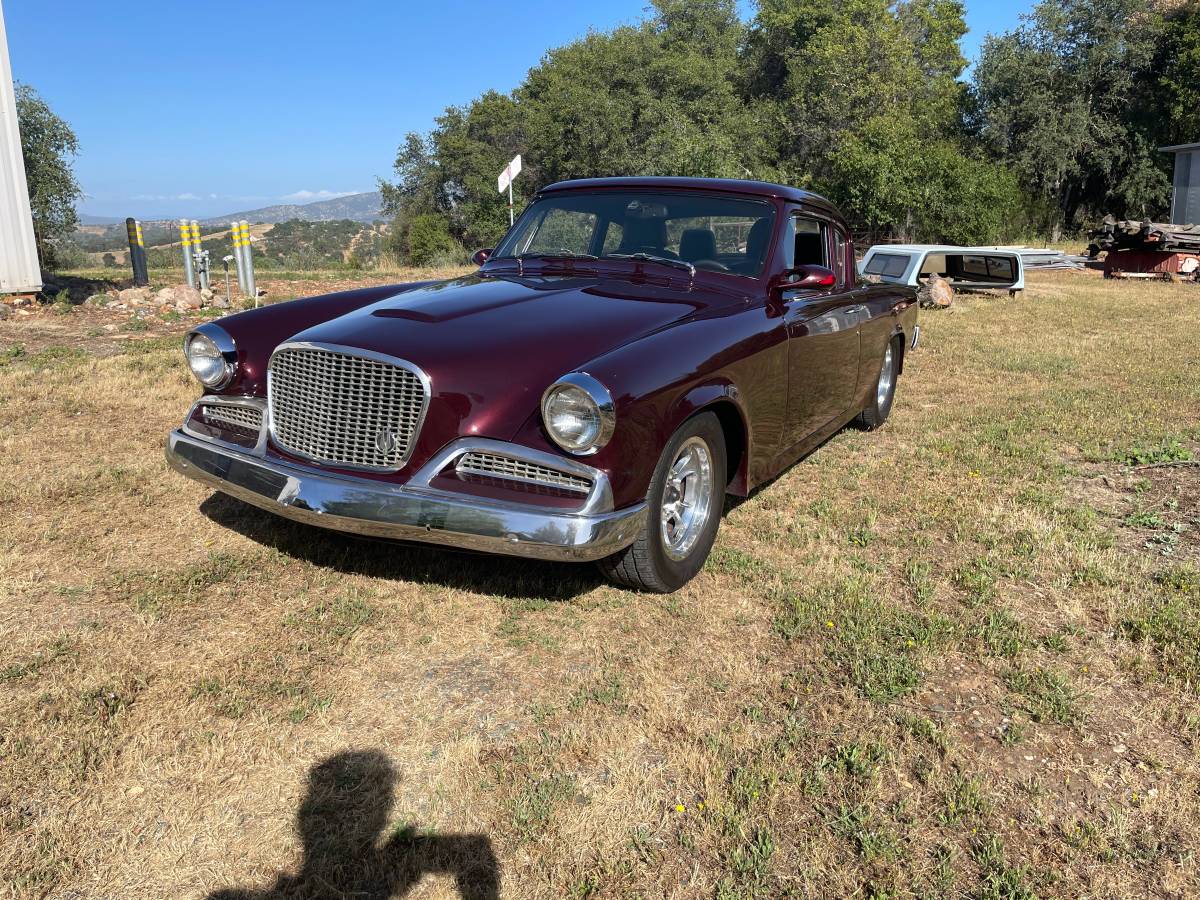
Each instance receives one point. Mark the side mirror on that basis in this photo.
(804, 278)
(479, 257)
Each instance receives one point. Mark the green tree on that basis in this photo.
(1059, 98)
(867, 104)
(47, 145)
(657, 98)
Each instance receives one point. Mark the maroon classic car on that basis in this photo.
(633, 350)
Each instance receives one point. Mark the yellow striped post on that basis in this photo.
(248, 254)
(137, 252)
(235, 237)
(201, 261)
(185, 241)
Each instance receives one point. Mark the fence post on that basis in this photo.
(137, 252)
(185, 241)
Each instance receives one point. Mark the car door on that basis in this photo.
(822, 328)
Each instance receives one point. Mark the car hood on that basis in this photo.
(492, 345)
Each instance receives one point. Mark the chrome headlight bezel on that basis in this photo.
(601, 401)
(223, 343)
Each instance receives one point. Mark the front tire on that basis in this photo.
(880, 405)
(687, 493)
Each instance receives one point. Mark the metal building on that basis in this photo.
(1185, 200)
(19, 269)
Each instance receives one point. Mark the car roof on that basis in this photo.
(725, 185)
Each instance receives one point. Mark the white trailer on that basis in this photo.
(19, 270)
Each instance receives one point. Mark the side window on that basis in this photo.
(807, 246)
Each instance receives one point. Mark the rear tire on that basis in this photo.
(884, 393)
(678, 534)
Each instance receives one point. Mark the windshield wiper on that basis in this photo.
(650, 257)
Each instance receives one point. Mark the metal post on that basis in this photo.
(249, 251)
(510, 211)
(235, 239)
(185, 240)
(137, 252)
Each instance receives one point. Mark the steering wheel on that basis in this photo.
(710, 265)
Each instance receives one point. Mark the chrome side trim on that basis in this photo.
(426, 384)
(916, 336)
(404, 512)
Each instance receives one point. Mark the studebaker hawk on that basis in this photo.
(633, 350)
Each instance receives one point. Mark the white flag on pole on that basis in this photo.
(511, 171)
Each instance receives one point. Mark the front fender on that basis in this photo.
(734, 361)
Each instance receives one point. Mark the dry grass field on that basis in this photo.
(959, 657)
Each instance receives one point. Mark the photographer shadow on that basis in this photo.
(341, 821)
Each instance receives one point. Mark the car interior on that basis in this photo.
(714, 233)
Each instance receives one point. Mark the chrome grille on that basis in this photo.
(244, 418)
(493, 465)
(338, 408)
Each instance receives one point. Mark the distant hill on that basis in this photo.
(365, 207)
(85, 219)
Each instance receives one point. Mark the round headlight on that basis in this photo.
(212, 364)
(578, 413)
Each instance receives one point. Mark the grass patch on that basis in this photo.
(1047, 696)
(1168, 624)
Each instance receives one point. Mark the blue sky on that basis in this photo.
(200, 109)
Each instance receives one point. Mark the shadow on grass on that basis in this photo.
(504, 576)
(341, 821)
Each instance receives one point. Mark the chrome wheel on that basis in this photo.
(887, 377)
(687, 498)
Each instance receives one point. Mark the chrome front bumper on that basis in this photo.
(413, 511)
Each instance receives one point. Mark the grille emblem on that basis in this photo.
(385, 441)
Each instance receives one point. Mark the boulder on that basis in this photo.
(97, 300)
(165, 296)
(220, 301)
(936, 292)
(187, 297)
(134, 295)
(206, 297)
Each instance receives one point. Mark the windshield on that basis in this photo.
(720, 234)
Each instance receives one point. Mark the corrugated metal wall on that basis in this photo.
(18, 253)
(1185, 208)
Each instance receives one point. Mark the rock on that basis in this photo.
(134, 295)
(936, 292)
(165, 296)
(24, 300)
(97, 300)
(5, 311)
(220, 301)
(187, 297)
(206, 297)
